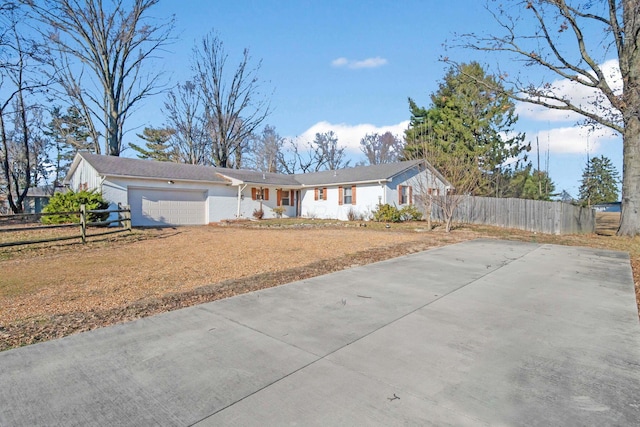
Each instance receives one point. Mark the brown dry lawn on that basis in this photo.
(53, 290)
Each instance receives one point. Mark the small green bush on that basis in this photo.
(410, 213)
(70, 201)
(389, 213)
(279, 211)
(386, 213)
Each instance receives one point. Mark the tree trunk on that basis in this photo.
(113, 148)
(630, 217)
(630, 69)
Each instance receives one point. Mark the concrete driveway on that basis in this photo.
(478, 333)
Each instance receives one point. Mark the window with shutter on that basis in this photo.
(404, 194)
(284, 198)
(348, 194)
(259, 194)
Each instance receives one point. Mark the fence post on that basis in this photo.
(121, 218)
(127, 216)
(83, 222)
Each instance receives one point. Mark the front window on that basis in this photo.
(285, 198)
(347, 195)
(260, 193)
(321, 195)
(404, 195)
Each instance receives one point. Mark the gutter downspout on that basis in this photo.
(384, 193)
(240, 190)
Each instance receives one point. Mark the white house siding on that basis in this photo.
(248, 205)
(321, 209)
(85, 177)
(419, 182)
(222, 203)
(367, 198)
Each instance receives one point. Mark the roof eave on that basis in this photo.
(74, 165)
(111, 175)
(368, 181)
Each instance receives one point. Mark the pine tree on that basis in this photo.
(470, 119)
(538, 186)
(600, 181)
(157, 145)
(67, 134)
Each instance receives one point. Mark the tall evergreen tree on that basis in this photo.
(538, 186)
(599, 182)
(574, 41)
(67, 133)
(471, 120)
(157, 146)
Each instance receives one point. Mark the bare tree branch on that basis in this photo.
(18, 78)
(532, 47)
(569, 56)
(234, 108)
(112, 43)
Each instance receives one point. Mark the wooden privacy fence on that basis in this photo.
(523, 214)
(27, 222)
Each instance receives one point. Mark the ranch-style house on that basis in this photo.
(165, 194)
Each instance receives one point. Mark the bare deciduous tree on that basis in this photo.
(323, 153)
(559, 42)
(327, 154)
(98, 55)
(266, 150)
(183, 109)
(20, 150)
(233, 104)
(378, 149)
(292, 160)
(460, 174)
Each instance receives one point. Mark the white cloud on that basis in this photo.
(339, 62)
(357, 64)
(571, 140)
(349, 136)
(568, 137)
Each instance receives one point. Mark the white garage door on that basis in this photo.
(153, 207)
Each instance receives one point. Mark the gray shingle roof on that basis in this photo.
(261, 178)
(122, 166)
(356, 174)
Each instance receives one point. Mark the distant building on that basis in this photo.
(35, 201)
(607, 207)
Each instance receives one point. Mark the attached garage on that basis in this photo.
(159, 207)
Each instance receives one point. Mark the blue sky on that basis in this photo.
(349, 66)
